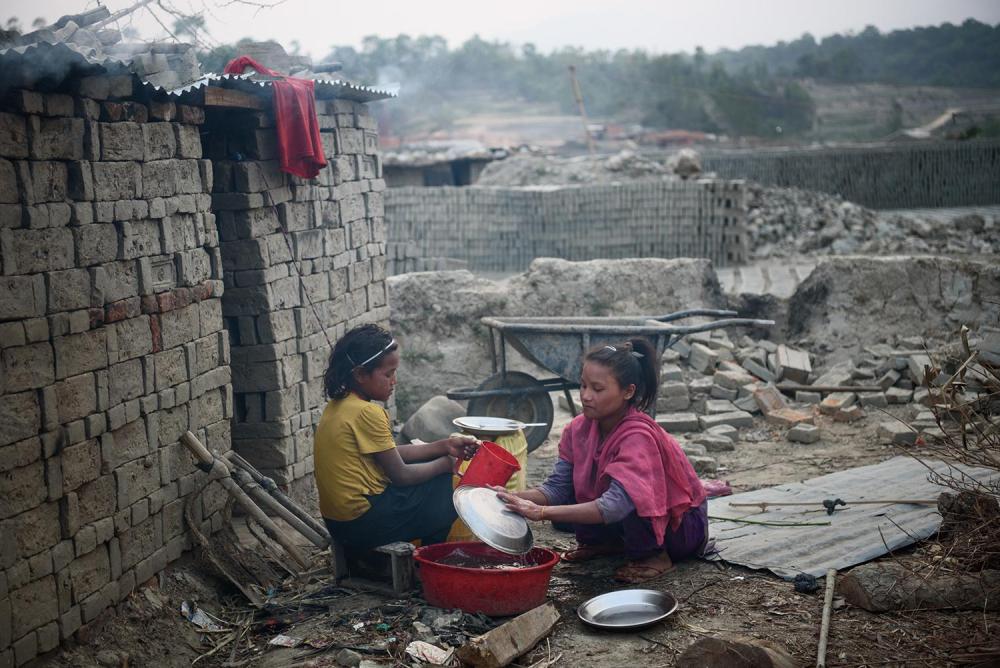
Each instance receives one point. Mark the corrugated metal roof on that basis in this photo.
(856, 534)
(325, 88)
(53, 58)
(48, 59)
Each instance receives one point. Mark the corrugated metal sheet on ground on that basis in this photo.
(856, 534)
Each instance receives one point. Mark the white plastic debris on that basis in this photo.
(432, 654)
(284, 641)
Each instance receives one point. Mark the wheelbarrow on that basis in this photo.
(558, 345)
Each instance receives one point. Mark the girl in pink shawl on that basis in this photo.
(623, 482)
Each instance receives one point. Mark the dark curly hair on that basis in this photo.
(632, 362)
(364, 346)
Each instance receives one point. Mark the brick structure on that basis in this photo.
(879, 176)
(135, 227)
(303, 262)
(504, 229)
(112, 345)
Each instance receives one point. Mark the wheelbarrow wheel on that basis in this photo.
(528, 408)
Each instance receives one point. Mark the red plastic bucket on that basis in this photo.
(497, 593)
(491, 465)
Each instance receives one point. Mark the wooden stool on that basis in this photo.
(400, 557)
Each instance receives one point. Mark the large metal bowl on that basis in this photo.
(627, 609)
(488, 518)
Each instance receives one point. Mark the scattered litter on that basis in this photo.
(432, 654)
(358, 626)
(284, 641)
(200, 618)
(805, 583)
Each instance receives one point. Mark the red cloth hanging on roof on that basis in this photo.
(299, 146)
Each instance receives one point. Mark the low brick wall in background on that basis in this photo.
(504, 229)
(893, 176)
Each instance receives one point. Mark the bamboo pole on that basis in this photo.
(272, 488)
(218, 467)
(824, 629)
(268, 502)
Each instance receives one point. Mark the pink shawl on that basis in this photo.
(643, 458)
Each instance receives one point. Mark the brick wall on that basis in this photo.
(112, 345)
(303, 262)
(925, 174)
(504, 229)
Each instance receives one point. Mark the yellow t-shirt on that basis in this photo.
(350, 431)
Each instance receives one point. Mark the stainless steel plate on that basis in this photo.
(627, 609)
(487, 517)
(487, 425)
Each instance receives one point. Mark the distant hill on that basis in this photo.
(947, 55)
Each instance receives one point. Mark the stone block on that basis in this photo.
(159, 141)
(140, 542)
(20, 297)
(714, 442)
(837, 401)
(78, 353)
(97, 499)
(81, 464)
(36, 605)
(188, 141)
(716, 406)
(677, 423)
(125, 381)
(898, 395)
(20, 415)
(32, 251)
(8, 190)
(839, 374)
(28, 367)
(916, 365)
(804, 397)
(115, 281)
(874, 399)
(121, 141)
(803, 433)
(76, 397)
(732, 380)
(719, 392)
(24, 488)
(769, 399)
(849, 414)
(68, 290)
(37, 529)
(137, 479)
(56, 138)
(95, 244)
(896, 432)
(13, 136)
(703, 465)
(118, 180)
(702, 358)
(888, 379)
(738, 419)
(788, 417)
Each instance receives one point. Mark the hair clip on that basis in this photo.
(636, 355)
(611, 348)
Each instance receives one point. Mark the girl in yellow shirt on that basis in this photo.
(371, 491)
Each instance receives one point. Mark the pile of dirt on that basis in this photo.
(435, 315)
(784, 222)
(539, 170)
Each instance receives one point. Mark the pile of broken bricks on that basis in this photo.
(711, 388)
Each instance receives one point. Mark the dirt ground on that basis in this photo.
(715, 598)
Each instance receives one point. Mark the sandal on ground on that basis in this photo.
(633, 573)
(588, 552)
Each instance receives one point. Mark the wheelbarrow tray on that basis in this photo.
(559, 344)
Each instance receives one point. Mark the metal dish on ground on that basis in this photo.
(488, 518)
(627, 609)
(487, 425)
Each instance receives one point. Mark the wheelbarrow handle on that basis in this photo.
(692, 312)
(718, 324)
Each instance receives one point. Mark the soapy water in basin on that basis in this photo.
(497, 561)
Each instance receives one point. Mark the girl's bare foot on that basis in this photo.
(588, 552)
(646, 569)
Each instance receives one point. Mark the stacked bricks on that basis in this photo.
(112, 345)
(303, 262)
(504, 229)
(887, 176)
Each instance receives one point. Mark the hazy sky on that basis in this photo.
(656, 25)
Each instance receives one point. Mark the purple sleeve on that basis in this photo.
(558, 487)
(615, 504)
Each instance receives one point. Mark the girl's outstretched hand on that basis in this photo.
(527, 509)
(462, 446)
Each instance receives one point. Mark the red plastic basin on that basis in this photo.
(495, 592)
